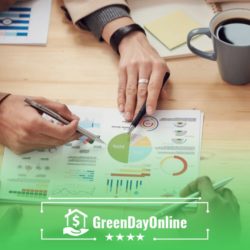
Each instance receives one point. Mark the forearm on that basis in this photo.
(138, 59)
(103, 24)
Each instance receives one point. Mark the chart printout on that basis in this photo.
(163, 152)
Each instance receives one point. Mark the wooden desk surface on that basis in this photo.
(74, 68)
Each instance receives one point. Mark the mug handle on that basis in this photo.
(200, 31)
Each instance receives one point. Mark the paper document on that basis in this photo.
(160, 157)
(26, 22)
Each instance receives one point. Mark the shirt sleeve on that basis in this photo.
(96, 21)
(79, 9)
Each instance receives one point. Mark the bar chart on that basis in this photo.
(124, 186)
(15, 21)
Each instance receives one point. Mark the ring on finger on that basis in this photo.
(143, 81)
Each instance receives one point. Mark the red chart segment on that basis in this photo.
(170, 163)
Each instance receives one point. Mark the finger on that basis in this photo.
(189, 189)
(228, 195)
(64, 132)
(202, 185)
(131, 92)
(144, 73)
(60, 108)
(205, 188)
(121, 98)
(75, 117)
(164, 90)
(164, 93)
(154, 89)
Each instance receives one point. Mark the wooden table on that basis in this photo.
(66, 70)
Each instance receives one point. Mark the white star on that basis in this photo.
(119, 237)
(130, 236)
(140, 236)
(109, 237)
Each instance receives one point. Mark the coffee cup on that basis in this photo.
(230, 34)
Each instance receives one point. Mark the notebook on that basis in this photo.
(193, 13)
(177, 23)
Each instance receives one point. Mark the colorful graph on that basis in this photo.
(128, 172)
(32, 193)
(128, 148)
(149, 123)
(170, 163)
(15, 21)
(129, 186)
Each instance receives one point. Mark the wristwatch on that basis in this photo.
(119, 34)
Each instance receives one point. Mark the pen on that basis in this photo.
(174, 207)
(143, 109)
(61, 119)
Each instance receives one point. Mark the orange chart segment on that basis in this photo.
(171, 163)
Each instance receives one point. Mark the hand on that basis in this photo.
(5, 4)
(139, 60)
(224, 210)
(23, 129)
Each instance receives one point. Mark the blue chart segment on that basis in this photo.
(15, 22)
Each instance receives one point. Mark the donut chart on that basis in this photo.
(149, 123)
(129, 148)
(171, 163)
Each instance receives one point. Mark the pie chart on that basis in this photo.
(128, 148)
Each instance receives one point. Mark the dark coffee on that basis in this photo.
(235, 31)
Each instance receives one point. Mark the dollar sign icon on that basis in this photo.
(76, 221)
